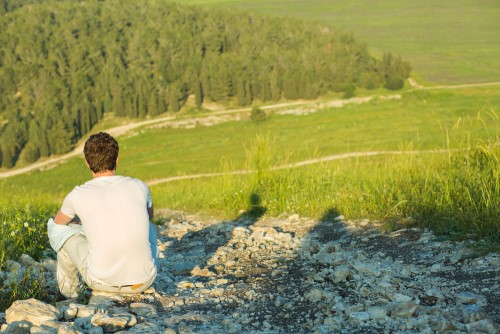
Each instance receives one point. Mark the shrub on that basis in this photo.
(349, 91)
(257, 114)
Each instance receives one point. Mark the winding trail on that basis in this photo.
(124, 129)
(418, 86)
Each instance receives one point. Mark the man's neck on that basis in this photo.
(105, 173)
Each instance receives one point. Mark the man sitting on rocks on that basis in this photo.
(103, 229)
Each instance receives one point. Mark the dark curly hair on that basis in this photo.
(101, 152)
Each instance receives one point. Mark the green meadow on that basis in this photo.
(445, 41)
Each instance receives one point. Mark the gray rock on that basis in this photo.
(366, 268)
(113, 322)
(481, 326)
(18, 327)
(473, 313)
(49, 265)
(359, 316)
(442, 325)
(468, 298)
(53, 326)
(403, 309)
(83, 324)
(279, 301)
(341, 273)
(377, 312)
(96, 330)
(27, 261)
(190, 317)
(144, 310)
(183, 268)
(32, 310)
(74, 310)
(147, 327)
(104, 299)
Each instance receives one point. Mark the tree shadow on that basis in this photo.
(197, 247)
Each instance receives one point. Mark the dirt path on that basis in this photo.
(418, 86)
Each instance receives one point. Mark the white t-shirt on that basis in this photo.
(114, 216)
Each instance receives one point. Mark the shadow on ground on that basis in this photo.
(196, 247)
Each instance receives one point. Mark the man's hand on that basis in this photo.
(62, 219)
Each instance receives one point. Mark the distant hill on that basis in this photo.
(64, 64)
(447, 42)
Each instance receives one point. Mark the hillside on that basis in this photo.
(64, 64)
(447, 42)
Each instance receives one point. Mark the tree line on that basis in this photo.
(64, 64)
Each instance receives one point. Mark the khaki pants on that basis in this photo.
(72, 259)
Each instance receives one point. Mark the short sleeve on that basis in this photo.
(68, 206)
(149, 199)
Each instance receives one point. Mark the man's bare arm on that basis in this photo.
(62, 219)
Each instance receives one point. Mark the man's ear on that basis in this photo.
(87, 163)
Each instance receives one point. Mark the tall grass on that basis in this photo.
(23, 220)
(452, 192)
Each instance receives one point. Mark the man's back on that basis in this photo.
(114, 216)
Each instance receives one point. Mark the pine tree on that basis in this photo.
(30, 153)
(173, 101)
(198, 94)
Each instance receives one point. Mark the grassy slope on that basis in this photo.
(446, 41)
(420, 120)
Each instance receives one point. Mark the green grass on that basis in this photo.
(23, 218)
(446, 41)
(455, 194)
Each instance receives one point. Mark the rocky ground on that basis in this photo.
(287, 274)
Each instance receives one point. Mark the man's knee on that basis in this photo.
(76, 250)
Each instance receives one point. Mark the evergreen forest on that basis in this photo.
(65, 64)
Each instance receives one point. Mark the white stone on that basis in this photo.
(85, 311)
(113, 322)
(468, 298)
(359, 316)
(377, 312)
(340, 273)
(404, 309)
(399, 297)
(18, 327)
(481, 326)
(31, 310)
(143, 309)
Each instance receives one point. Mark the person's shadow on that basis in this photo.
(198, 247)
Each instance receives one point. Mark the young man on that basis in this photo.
(114, 248)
